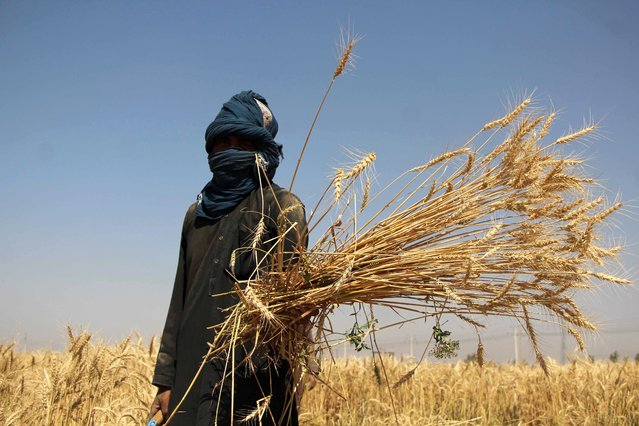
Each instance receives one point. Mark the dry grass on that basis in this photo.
(580, 393)
(88, 384)
(96, 384)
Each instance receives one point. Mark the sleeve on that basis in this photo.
(291, 224)
(167, 355)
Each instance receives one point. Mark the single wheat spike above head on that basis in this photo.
(347, 57)
(506, 226)
(346, 60)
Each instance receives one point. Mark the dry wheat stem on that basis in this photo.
(345, 59)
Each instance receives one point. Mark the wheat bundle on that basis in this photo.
(505, 226)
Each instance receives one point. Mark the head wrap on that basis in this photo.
(247, 116)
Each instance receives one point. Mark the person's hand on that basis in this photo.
(160, 404)
(302, 324)
(313, 370)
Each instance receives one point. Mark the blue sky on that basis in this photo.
(103, 107)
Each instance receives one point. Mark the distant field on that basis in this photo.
(97, 384)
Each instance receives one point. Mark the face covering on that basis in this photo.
(235, 175)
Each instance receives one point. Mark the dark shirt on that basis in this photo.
(204, 288)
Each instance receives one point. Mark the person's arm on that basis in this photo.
(291, 223)
(165, 365)
(292, 220)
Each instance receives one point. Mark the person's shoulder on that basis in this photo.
(190, 211)
(189, 217)
(284, 197)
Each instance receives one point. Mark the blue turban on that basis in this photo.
(242, 116)
(247, 116)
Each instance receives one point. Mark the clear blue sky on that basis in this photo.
(103, 107)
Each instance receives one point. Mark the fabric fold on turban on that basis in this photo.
(243, 117)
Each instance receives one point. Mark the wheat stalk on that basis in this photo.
(508, 118)
(575, 135)
(348, 42)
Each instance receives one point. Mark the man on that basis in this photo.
(219, 247)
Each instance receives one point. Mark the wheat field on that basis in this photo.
(91, 383)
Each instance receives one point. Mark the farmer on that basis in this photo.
(217, 250)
